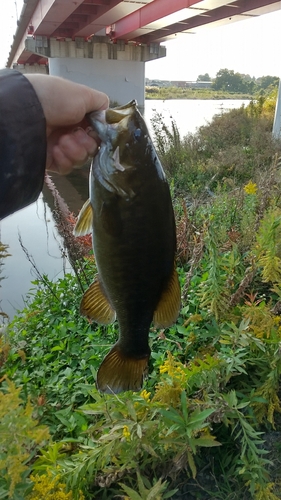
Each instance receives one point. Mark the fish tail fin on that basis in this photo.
(120, 372)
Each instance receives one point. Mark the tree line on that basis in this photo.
(228, 80)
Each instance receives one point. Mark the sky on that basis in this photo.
(248, 47)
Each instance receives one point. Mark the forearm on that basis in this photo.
(22, 143)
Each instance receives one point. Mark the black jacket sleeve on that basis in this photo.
(22, 143)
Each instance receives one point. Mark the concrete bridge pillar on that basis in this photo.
(32, 68)
(277, 118)
(118, 69)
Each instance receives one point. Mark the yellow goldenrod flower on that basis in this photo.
(172, 367)
(250, 188)
(145, 395)
(163, 368)
(48, 487)
(126, 432)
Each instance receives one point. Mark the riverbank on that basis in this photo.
(166, 93)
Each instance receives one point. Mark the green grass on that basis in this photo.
(166, 93)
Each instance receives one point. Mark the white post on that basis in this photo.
(276, 131)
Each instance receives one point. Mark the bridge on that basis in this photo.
(106, 43)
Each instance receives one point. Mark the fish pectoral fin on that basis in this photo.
(95, 305)
(119, 372)
(169, 305)
(84, 222)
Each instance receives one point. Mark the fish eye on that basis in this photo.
(137, 134)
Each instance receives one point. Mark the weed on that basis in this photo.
(20, 436)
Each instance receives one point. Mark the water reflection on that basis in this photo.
(36, 225)
(189, 114)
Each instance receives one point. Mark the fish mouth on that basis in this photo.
(116, 115)
(110, 122)
(113, 116)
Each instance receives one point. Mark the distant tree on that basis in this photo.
(204, 78)
(266, 81)
(233, 82)
(249, 78)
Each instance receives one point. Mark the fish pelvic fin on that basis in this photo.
(120, 372)
(168, 308)
(96, 306)
(84, 222)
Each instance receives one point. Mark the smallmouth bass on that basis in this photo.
(132, 221)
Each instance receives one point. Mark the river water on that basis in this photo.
(35, 225)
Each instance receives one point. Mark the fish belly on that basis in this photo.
(134, 247)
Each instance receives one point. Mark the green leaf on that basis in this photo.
(191, 464)
(139, 431)
(231, 399)
(181, 329)
(172, 429)
(3, 493)
(149, 450)
(133, 495)
(243, 405)
(58, 348)
(198, 417)
(207, 442)
(184, 405)
(172, 415)
(155, 491)
(170, 494)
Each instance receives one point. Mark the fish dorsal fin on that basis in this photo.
(119, 372)
(84, 222)
(169, 305)
(95, 305)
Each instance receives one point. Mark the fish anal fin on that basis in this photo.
(119, 372)
(84, 222)
(168, 308)
(96, 306)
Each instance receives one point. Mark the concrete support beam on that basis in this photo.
(277, 118)
(97, 47)
(32, 68)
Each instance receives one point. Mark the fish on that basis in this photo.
(131, 217)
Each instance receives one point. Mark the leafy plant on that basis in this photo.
(20, 436)
(147, 492)
(50, 488)
(3, 254)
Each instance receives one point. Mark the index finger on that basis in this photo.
(95, 100)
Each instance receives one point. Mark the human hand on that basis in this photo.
(70, 139)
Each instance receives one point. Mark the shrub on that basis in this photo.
(20, 436)
(236, 145)
(48, 487)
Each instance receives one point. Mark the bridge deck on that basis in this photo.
(141, 22)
